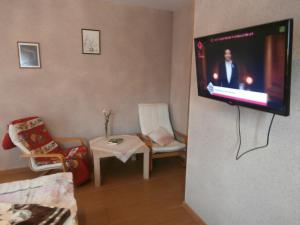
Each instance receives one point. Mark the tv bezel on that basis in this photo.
(285, 110)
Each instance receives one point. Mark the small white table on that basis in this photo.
(131, 143)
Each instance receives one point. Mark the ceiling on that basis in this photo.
(171, 5)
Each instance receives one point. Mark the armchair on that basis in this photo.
(44, 152)
(153, 116)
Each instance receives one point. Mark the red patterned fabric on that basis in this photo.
(35, 137)
(7, 143)
(77, 161)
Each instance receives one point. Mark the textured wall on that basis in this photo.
(71, 88)
(263, 187)
(183, 27)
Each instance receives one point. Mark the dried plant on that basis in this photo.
(107, 114)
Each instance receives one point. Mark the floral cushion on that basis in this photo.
(34, 136)
(7, 142)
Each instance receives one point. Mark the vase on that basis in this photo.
(106, 130)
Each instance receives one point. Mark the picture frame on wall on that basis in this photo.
(29, 55)
(91, 41)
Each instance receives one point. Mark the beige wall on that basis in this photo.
(183, 27)
(71, 89)
(263, 186)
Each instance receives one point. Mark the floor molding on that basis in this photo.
(15, 170)
(195, 216)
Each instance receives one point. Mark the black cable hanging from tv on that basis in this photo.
(238, 155)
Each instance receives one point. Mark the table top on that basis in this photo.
(129, 142)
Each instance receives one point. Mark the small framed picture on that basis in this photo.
(91, 41)
(29, 55)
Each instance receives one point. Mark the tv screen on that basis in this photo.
(249, 67)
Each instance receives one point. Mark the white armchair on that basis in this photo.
(153, 116)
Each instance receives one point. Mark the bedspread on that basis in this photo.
(55, 190)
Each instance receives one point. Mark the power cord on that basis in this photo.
(238, 155)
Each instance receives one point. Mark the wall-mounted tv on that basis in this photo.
(249, 67)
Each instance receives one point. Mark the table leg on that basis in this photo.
(146, 165)
(97, 172)
(133, 158)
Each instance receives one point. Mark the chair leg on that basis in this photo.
(184, 163)
(150, 161)
(183, 159)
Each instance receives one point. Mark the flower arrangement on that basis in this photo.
(107, 114)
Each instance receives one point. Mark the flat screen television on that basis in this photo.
(250, 67)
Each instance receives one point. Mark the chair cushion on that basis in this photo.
(31, 135)
(7, 142)
(161, 136)
(38, 166)
(172, 147)
(77, 162)
(153, 116)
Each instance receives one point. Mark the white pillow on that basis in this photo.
(161, 136)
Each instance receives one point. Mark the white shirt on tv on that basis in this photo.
(228, 66)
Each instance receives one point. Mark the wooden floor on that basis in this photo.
(125, 198)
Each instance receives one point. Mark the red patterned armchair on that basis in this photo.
(45, 153)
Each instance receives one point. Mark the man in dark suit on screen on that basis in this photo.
(228, 71)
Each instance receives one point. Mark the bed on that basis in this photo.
(54, 190)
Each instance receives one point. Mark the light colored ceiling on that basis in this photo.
(171, 5)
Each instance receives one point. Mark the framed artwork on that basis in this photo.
(91, 43)
(29, 55)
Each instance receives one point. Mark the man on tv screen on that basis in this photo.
(228, 70)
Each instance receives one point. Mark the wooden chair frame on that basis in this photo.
(149, 143)
(60, 157)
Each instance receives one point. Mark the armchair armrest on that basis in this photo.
(146, 139)
(181, 137)
(60, 157)
(82, 141)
